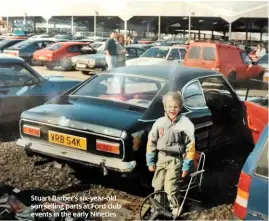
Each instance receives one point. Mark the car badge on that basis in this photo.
(63, 121)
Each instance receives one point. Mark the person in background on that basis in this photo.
(260, 50)
(134, 41)
(111, 51)
(121, 51)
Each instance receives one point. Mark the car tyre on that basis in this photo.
(50, 66)
(85, 72)
(66, 64)
(31, 61)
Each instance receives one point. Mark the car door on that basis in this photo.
(257, 208)
(73, 50)
(256, 108)
(193, 57)
(198, 112)
(16, 85)
(226, 111)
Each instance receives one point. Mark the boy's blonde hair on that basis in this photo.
(176, 95)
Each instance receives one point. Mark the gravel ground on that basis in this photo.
(20, 171)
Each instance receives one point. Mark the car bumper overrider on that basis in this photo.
(63, 153)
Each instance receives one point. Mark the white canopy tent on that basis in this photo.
(125, 9)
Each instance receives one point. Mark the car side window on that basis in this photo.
(15, 75)
(131, 52)
(139, 52)
(209, 53)
(193, 96)
(182, 53)
(174, 53)
(262, 167)
(195, 52)
(74, 48)
(213, 88)
(245, 58)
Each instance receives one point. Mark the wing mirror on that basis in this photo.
(170, 58)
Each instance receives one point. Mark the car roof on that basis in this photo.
(138, 45)
(218, 44)
(72, 43)
(10, 58)
(165, 72)
(173, 46)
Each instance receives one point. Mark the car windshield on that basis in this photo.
(4, 42)
(156, 53)
(100, 50)
(54, 47)
(136, 91)
(263, 59)
(22, 44)
(96, 45)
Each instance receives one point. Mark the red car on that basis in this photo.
(59, 54)
(229, 60)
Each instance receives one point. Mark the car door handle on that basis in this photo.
(4, 91)
(251, 127)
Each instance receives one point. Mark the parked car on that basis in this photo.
(92, 63)
(229, 60)
(22, 88)
(251, 202)
(62, 37)
(263, 61)
(26, 49)
(105, 121)
(6, 43)
(159, 55)
(42, 36)
(145, 42)
(60, 54)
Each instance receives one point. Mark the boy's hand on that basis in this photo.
(184, 174)
(152, 168)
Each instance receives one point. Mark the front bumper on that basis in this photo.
(76, 156)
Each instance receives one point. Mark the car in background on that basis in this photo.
(229, 60)
(39, 36)
(263, 61)
(105, 121)
(97, 44)
(142, 41)
(6, 43)
(160, 55)
(60, 54)
(22, 88)
(60, 37)
(92, 63)
(26, 49)
(251, 202)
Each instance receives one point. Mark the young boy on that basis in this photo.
(170, 138)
